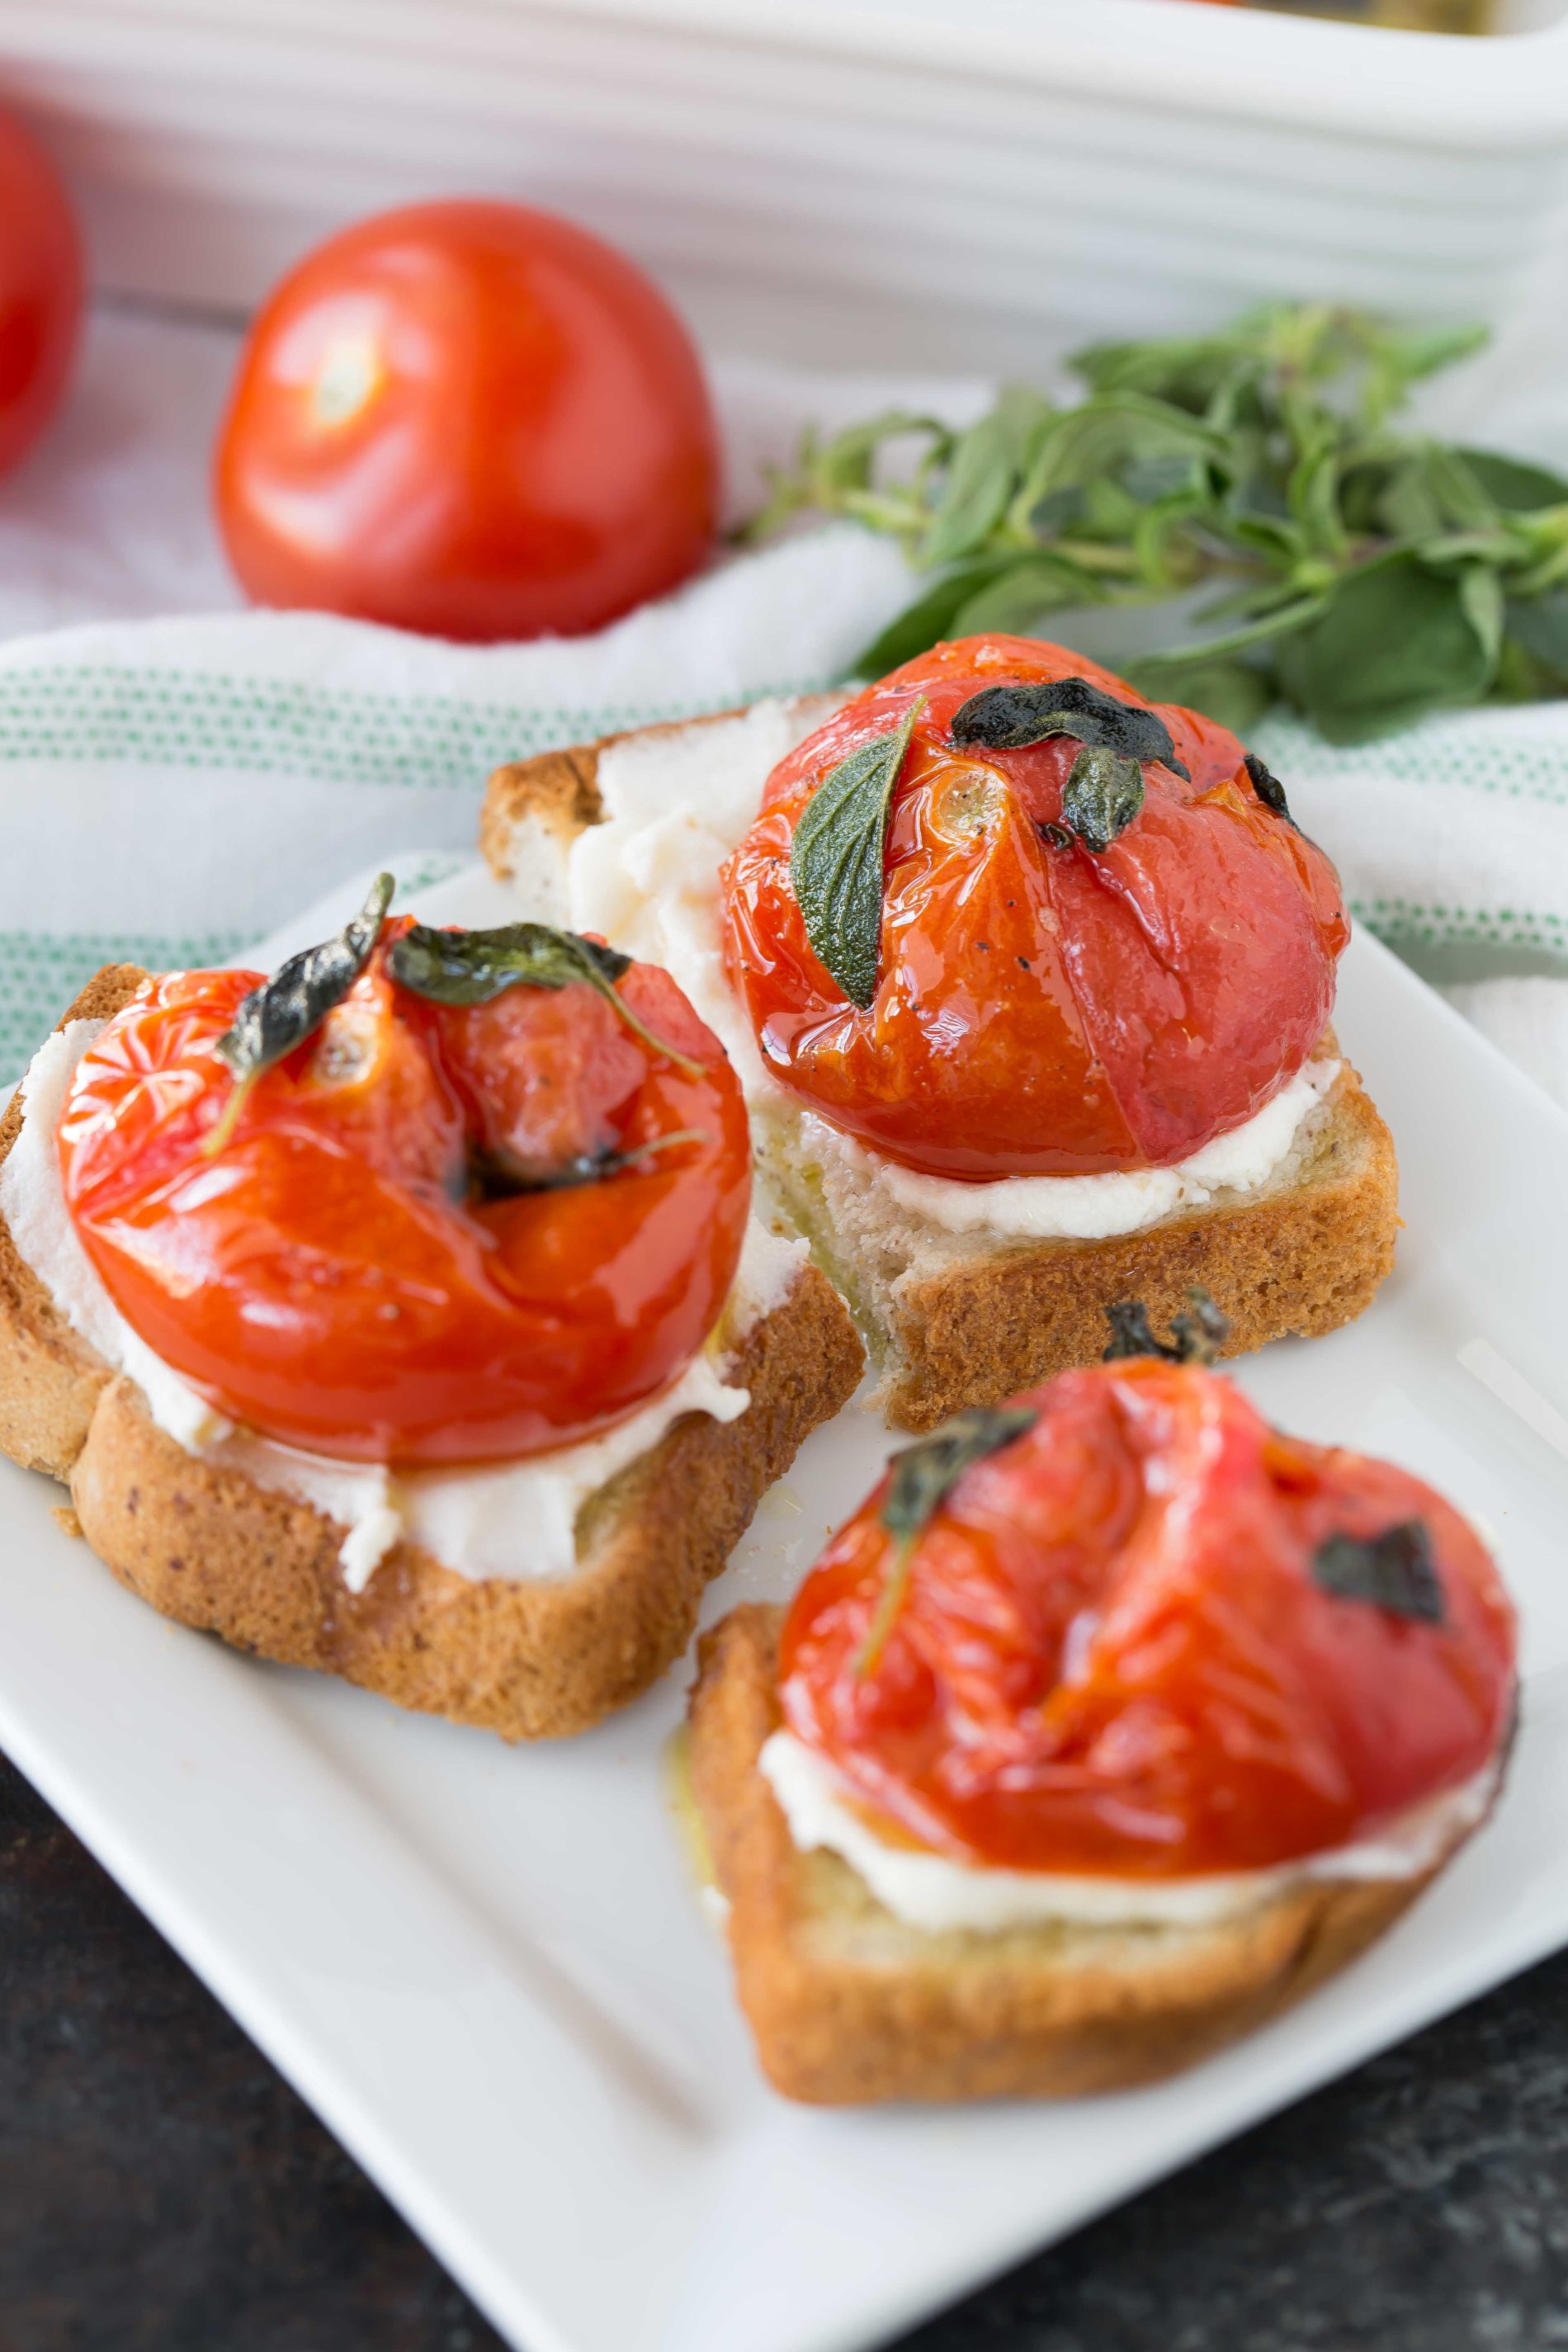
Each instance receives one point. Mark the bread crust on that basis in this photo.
(849, 2006)
(50, 1380)
(1296, 1261)
(527, 1660)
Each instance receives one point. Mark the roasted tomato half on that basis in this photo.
(1041, 1007)
(1135, 1640)
(435, 1234)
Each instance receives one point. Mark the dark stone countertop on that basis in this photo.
(162, 2191)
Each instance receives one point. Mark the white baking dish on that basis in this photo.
(933, 182)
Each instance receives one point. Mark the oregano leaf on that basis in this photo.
(836, 858)
(1198, 1334)
(474, 967)
(929, 618)
(467, 968)
(1268, 787)
(1009, 718)
(923, 1475)
(1103, 793)
(284, 1010)
(1393, 1570)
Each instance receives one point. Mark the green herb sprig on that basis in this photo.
(1364, 571)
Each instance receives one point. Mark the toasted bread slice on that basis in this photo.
(529, 1659)
(849, 2005)
(964, 1318)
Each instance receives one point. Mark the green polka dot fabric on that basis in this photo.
(171, 790)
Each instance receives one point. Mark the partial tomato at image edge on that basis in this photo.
(41, 288)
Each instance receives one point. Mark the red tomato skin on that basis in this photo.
(1041, 1011)
(1113, 1657)
(471, 419)
(329, 1278)
(41, 282)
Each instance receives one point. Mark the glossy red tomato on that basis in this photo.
(40, 291)
(471, 419)
(1041, 1008)
(393, 1257)
(1113, 1655)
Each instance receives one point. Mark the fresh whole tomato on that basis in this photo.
(1042, 1007)
(1113, 1654)
(40, 291)
(471, 419)
(432, 1233)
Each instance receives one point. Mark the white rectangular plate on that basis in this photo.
(487, 1969)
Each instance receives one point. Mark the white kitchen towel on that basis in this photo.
(171, 789)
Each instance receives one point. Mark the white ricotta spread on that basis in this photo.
(933, 1892)
(1091, 1208)
(676, 804)
(513, 1519)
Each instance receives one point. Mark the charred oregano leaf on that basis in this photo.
(284, 1010)
(1103, 793)
(836, 858)
(467, 968)
(1198, 1334)
(1268, 787)
(1009, 718)
(1393, 1570)
(923, 1477)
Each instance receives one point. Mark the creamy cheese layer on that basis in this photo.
(677, 803)
(511, 1519)
(933, 1892)
(1092, 1208)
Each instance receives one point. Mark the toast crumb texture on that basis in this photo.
(956, 1319)
(849, 2005)
(527, 1659)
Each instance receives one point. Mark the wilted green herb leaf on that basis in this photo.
(474, 967)
(1198, 1335)
(1268, 787)
(1008, 717)
(467, 968)
(923, 1475)
(836, 858)
(279, 1015)
(1393, 1570)
(1103, 793)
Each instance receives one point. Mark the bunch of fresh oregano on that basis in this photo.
(1366, 572)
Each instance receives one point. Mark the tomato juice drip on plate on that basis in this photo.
(1119, 1651)
(1042, 1007)
(431, 1233)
